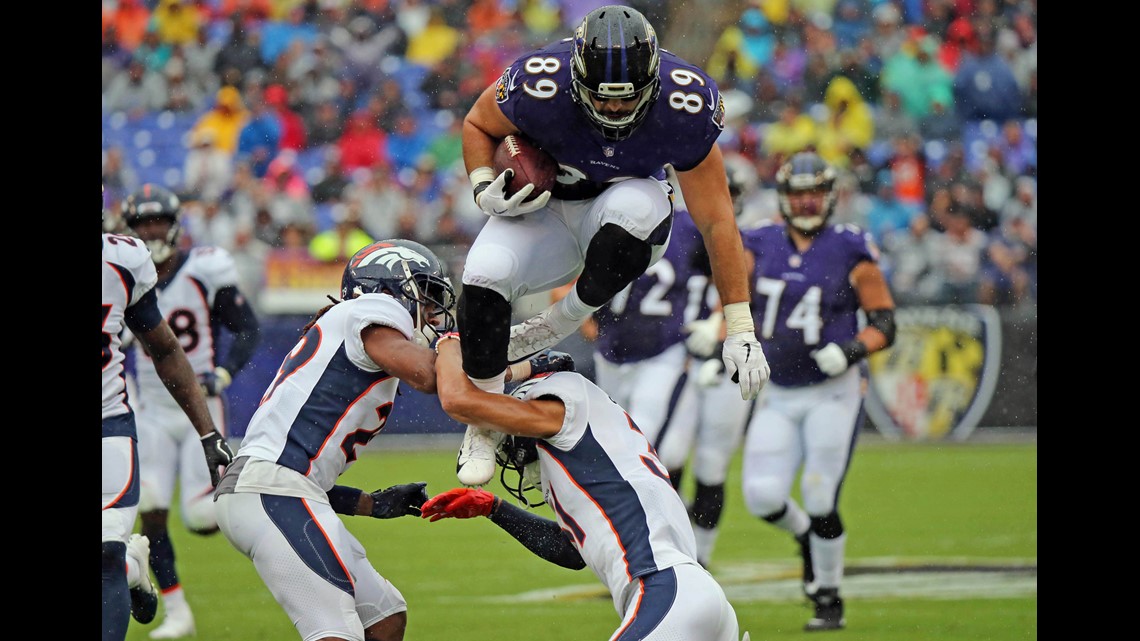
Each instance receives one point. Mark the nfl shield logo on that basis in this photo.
(938, 378)
(607, 151)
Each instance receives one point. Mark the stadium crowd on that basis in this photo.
(312, 127)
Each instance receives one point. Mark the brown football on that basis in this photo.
(530, 163)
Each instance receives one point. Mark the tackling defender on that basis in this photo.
(812, 280)
(198, 294)
(129, 301)
(617, 512)
(613, 109)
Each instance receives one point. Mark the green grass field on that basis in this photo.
(942, 545)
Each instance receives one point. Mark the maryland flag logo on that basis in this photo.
(503, 86)
(938, 378)
(718, 113)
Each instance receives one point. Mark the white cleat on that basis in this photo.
(532, 336)
(476, 463)
(178, 623)
(144, 596)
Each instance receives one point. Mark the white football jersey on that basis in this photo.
(610, 493)
(327, 399)
(128, 274)
(186, 301)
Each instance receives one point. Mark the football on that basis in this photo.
(530, 163)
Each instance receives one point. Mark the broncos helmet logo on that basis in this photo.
(389, 256)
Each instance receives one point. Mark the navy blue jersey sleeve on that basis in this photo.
(144, 315)
(233, 310)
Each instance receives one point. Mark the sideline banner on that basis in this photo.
(938, 378)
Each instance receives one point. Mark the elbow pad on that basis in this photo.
(884, 321)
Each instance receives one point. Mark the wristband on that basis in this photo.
(454, 336)
(854, 350)
(738, 318)
(479, 189)
(481, 175)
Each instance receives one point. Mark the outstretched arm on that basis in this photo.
(544, 537)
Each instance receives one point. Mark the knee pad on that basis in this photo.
(819, 497)
(484, 319)
(614, 258)
(198, 515)
(827, 527)
(708, 505)
(764, 498)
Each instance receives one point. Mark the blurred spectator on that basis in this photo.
(181, 95)
(1005, 278)
(249, 254)
(891, 121)
(959, 40)
(960, 258)
(246, 13)
(915, 75)
(277, 36)
(200, 55)
(742, 48)
(985, 88)
(205, 222)
(969, 197)
(240, 54)
(851, 204)
(941, 123)
(446, 148)
(913, 273)
(283, 180)
(850, 123)
(332, 183)
(152, 51)
(887, 214)
(362, 145)
(119, 179)
(207, 170)
(952, 169)
(260, 136)
(851, 22)
(314, 76)
(344, 239)
(907, 165)
(225, 120)
(485, 15)
(794, 132)
(434, 43)
(380, 198)
(817, 76)
(1018, 154)
(130, 19)
(1024, 203)
(789, 59)
(324, 126)
(408, 142)
(176, 22)
(137, 91)
(362, 45)
(856, 65)
(886, 36)
(293, 134)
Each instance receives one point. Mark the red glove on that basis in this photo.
(459, 503)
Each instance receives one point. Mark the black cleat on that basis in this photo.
(828, 611)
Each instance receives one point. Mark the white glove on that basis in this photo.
(831, 359)
(494, 202)
(704, 335)
(708, 374)
(745, 363)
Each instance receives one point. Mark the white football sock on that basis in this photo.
(827, 560)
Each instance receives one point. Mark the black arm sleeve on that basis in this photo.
(542, 536)
(344, 499)
(235, 312)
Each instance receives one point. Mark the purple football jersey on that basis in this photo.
(645, 318)
(680, 128)
(801, 302)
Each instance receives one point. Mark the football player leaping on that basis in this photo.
(812, 280)
(613, 109)
(198, 295)
(129, 302)
(616, 511)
